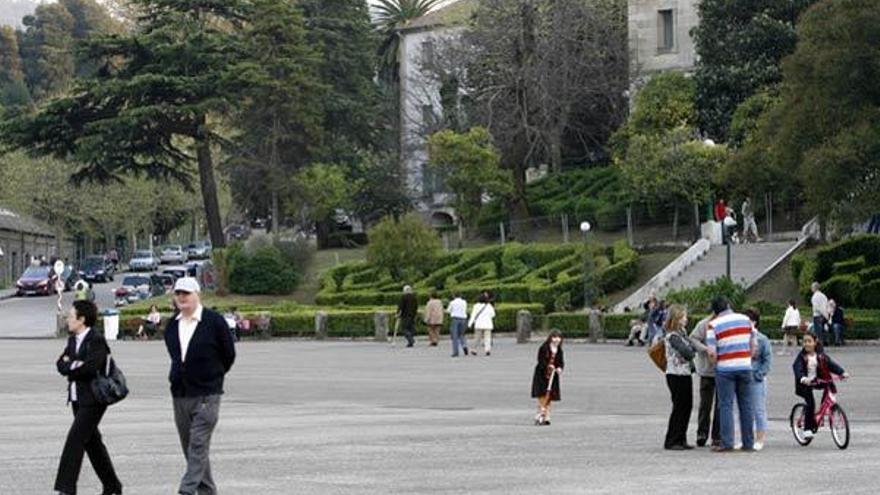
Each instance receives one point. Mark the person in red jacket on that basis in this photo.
(720, 210)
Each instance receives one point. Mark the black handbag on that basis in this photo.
(110, 387)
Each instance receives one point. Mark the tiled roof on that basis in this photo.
(9, 220)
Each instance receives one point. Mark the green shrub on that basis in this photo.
(867, 245)
(806, 277)
(845, 289)
(699, 299)
(869, 274)
(403, 247)
(266, 271)
(854, 265)
(870, 295)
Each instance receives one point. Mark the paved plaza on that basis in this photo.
(344, 417)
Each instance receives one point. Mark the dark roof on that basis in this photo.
(452, 14)
(9, 220)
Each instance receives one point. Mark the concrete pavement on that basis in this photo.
(304, 417)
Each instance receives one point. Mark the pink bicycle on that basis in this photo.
(829, 408)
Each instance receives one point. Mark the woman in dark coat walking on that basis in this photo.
(549, 367)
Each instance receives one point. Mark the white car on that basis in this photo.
(143, 260)
(173, 254)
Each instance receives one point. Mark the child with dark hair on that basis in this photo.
(545, 381)
(810, 365)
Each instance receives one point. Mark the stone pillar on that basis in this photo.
(523, 326)
(380, 322)
(597, 331)
(321, 325)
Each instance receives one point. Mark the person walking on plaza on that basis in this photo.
(791, 326)
(762, 359)
(680, 354)
(819, 302)
(730, 343)
(750, 227)
(84, 357)
(407, 310)
(837, 322)
(545, 380)
(483, 322)
(458, 324)
(434, 318)
(202, 352)
(708, 412)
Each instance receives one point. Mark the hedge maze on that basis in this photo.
(549, 275)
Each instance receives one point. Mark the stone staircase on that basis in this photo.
(749, 263)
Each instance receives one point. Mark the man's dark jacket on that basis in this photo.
(209, 356)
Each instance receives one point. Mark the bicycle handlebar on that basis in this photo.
(834, 378)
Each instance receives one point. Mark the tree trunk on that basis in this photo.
(675, 222)
(556, 149)
(274, 165)
(209, 187)
(322, 231)
(697, 232)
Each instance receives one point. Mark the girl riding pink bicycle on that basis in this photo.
(814, 369)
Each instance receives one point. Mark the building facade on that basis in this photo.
(660, 36)
(24, 239)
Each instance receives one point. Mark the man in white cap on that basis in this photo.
(202, 352)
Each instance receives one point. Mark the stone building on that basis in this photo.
(23, 239)
(659, 36)
(421, 109)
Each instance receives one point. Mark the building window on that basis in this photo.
(428, 53)
(665, 30)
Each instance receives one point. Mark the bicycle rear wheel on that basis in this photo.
(797, 420)
(839, 427)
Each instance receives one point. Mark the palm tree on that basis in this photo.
(390, 15)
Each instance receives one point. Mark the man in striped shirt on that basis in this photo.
(729, 339)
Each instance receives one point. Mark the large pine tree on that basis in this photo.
(150, 108)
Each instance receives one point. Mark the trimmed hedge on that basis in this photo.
(867, 246)
(548, 274)
(850, 266)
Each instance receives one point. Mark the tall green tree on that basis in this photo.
(390, 16)
(47, 50)
(342, 31)
(824, 133)
(281, 113)
(471, 165)
(13, 90)
(153, 107)
(740, 44)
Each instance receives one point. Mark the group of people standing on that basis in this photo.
(733, 359)
(481, 320)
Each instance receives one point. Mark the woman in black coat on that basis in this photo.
(549, 367)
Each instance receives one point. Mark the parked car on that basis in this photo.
(133, 288)
(143, 260)
(199, 250)
(176, 271)
(35, 281)
(173, 254)
(237, 232)
(163, 280)
(97, 269)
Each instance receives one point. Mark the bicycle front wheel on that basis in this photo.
(839, 427)
(797, 419)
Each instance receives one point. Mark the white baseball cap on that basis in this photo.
(187, 284)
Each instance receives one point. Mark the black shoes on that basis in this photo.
(701, 442)
(679, 447)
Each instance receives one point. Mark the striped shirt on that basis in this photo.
(729, 337)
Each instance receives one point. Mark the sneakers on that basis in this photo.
(808, 434)
(759, 446)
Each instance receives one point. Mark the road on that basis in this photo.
(34, 316)
(354, 417)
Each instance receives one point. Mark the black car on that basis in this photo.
(97, 269)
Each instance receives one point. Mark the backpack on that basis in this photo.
(657, 353)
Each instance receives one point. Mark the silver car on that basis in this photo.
(144, 260)
(173, 254)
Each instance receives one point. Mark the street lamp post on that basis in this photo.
(585, 228)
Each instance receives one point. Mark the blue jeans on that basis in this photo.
(735, 386)
(819, 329)
(759, 401)
(457, 328)
(838, 333)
